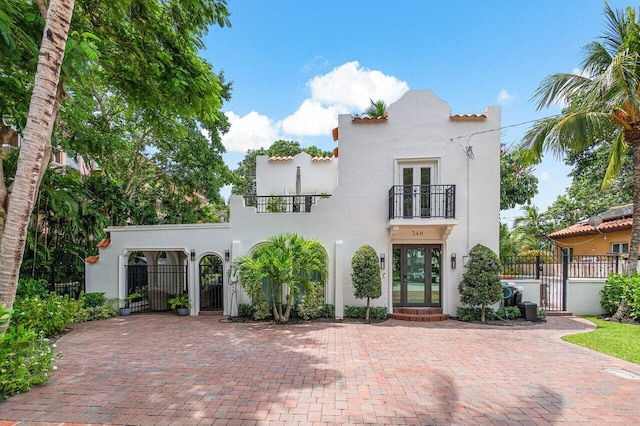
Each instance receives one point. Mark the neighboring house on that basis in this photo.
(58, 158)
(608, 233)
(420, 185)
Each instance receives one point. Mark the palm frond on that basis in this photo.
(616, 155)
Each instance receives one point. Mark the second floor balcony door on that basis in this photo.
(416, 181)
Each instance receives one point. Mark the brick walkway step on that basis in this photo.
(419, 314)
(559, 314)
(210, 313)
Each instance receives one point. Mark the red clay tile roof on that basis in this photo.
(104, 243)
(321, 159)
(366, 119)
(289, 158)
(468, 117)
(335, 134)
(583, 228)
(92, 259)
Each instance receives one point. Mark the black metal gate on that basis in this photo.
(156, 284)
(211, 279)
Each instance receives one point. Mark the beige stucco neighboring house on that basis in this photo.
(420, 185)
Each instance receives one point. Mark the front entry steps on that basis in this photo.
(210, 313)
(419, 314)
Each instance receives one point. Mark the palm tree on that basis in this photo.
(37, 133)
(376, 109)
(289, 263)
(604, 98)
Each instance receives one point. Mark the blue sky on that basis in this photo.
(296, 65)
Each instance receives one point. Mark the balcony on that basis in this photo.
(282, 203)
(422, 201)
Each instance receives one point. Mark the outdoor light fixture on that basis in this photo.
(193, 255)
(227, 254)
(382, 261)
(453, 261)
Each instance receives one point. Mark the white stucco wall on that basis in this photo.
(279, 177)
(583, 296)
(418, 129)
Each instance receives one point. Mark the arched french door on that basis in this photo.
(211, 278)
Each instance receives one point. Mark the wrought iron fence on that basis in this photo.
(283, 203)
(422, 201)
(545, 264)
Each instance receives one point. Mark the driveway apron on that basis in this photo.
(165, 370)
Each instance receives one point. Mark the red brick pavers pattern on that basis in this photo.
(169, 370)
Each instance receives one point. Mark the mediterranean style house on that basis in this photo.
(419, 185)
(606, 234)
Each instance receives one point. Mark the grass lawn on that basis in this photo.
(612, 338)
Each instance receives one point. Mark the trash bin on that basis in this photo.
(511, 294)
(529, 311)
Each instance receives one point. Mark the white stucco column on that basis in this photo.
(193, 285)
(123, 259)
(339, 279)
(231, 306)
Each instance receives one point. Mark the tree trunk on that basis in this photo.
(33, 151)
(366, 314)
(287, 312)
(632, 137)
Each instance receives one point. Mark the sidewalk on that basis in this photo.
(170, 370)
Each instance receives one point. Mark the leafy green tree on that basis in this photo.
(585, 196)
(532, 228)
(144, 53)
(518, 185)
(365, 275)
(480, 285)
(245, 183)
(289, 263)
(602, 101)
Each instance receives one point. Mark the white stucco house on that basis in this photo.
(420, 185)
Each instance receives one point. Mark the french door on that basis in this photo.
(416, 181)
(416, 275)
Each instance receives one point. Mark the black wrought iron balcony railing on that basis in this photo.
(283, 203)
(422, 201)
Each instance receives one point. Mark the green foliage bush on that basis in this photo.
(28, 287)
(50, 315)
(94, 300)
(312, 302)
(26, 357)
(365, 275)
(504, 313)
(619, 286)
(379, 312)
(328, 311)
(245, 310)
(480, 285)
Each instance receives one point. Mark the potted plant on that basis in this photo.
(180, 303)
(126, 310)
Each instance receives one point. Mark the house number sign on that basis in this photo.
(416, 233)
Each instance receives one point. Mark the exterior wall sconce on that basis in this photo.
(382, 261)
(193, 255)
(227, 255)
(453, 261)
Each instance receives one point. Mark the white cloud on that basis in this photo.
(504, 97)
(251, 131)
(312, 119)
(345, 89)
(351, 87)
(544, 177)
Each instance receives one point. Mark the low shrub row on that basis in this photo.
(26, 353)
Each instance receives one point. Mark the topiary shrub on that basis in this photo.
(365, 275)
(480, 285)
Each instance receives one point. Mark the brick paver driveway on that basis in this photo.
(164, 369)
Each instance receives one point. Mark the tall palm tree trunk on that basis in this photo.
(33, 151)
(632, 137)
